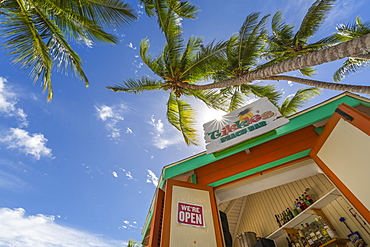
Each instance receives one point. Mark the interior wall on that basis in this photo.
(257, 214)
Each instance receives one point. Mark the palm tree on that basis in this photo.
(284, 44)
(243, 52)
(36, 33)
(351, 48)
(169, 12)
(187, 63)
(358, 61)
(180, 62)
(292, 103)
(132, 243)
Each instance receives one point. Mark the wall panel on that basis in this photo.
(259, 210)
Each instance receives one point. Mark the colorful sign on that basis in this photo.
(190, 214)
(240, 125)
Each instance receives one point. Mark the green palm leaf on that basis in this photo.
(292, 104)
(35, 33)
(313, 19)
(137, 86)
(350, 66)
(355, 64)
(181, 116)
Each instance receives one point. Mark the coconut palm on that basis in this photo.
(169, 12)
(180, 62)
(243, 52)
(284, 44)
(273, 72)
(358, 61)
(36, 33)
(132, 243)
(292, 103)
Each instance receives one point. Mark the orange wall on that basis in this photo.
(270, 151)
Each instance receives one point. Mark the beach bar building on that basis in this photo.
(264, 179)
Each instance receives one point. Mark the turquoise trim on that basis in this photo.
(260, 168)
(193, 178)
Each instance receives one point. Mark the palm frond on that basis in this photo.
(183, 9)
(252, 38)
(212, 98)
(354, 30)
(181, 116)
(137, 86)
(154, 63)
(309, 71)
(350, 66)
(236, 101)
(193, 46)
(206, 61)
(313, 19)
(269, 91)
(292, 104)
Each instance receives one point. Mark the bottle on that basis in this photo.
(312, 194)
(289, 243)
(299, 240)
(330, 231)
(291, 215)
(302, 237)
(297, 207)
(311, 233)
(324, 233)
(318, 234)
(300, 205)
(277, 220)
(303, 203)
(308, 197)
(305, 200)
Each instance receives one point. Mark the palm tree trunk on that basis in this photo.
(321, 84)
(361, 56)
(350, 48)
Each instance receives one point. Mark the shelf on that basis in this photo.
(320, 203)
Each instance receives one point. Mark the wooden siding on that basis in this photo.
(276, 149)
(257, 212)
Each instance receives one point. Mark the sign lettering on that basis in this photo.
(190, 214)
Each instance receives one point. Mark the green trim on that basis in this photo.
(319, 130)
(193, 178)
(308, 117)
(260, 168)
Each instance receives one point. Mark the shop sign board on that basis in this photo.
(242, 124)
(190, 214)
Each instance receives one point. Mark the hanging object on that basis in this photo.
(355, 237)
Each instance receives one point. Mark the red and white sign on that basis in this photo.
(190, 214)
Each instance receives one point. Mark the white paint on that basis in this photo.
(270, 180)
(346, 153)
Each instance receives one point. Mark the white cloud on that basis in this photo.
(158, 125)
(111, 115)
(8, 104)
(115, 174)
(130, 45)
(161, 139)
(18, 229)
(128, 225)
(128, 175)
(152, 178)
(34, 144)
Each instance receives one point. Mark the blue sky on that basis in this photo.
(81, 170)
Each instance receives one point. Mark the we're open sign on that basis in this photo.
(190, 214)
